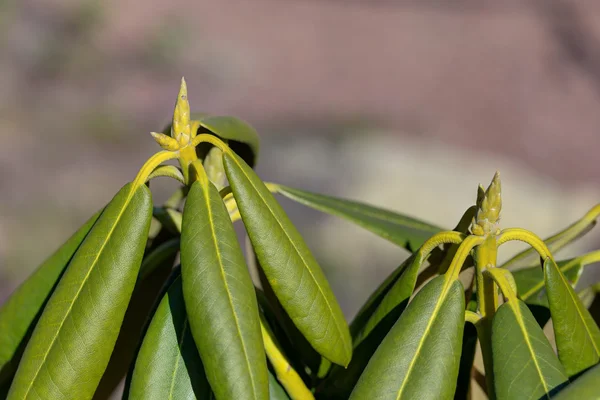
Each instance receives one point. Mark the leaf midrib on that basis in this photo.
(179, 355)
(581, 316)
(205, 188)
(130, 195)
(340, 332)
(445, 289)
(516, 309)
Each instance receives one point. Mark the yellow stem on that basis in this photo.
(212, 139)
(526, 236)
(149, 166)
(505, 281)
(286, 375)
(472, 317)
(461, 255)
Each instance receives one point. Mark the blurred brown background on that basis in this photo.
(404, 104)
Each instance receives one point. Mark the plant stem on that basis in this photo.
(485, 258)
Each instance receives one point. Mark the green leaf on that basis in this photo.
(394, 302)
(72, 343)
(525, 366)
(399, 229)
(556, 242)
(220, 298)
(577, 335)
(530, 281)
(419, 358)
(21, 311)
(276, 392)
(291, 269)
(584, 388)
(156, 268)
(168, 365)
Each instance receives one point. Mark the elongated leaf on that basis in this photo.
(394, 301)
(276, 392)
(585, 387)
(168, 365)
(530, 281)
(291, 269)
(577, 335)
(556, 242)
(399, 229)
(21, 311)
(220, 298)
(419, 357)
(157, 265)
(72, 343)
(525, 366)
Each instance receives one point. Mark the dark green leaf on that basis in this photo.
(72, 343)
(525, 366)
(168, 365)
(220, 298)
(419, 358)
(577, 336)
(291, 269)
(402, 230)
(584, 388)
(20, 312)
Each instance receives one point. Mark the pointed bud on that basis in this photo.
(489, 206)
(166, 142)
(181, 116)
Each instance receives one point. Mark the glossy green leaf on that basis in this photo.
(577, 335)
(21, 311)
(220, 298)
(419, 358)
(586, 387)
(400, 229)
(525, 366)
(393, 291)
(156, 268)
(291, 269)
(72, 343)
(556, 242)
(276, 392)
(168, 365)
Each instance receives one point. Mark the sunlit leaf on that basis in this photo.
(400, 229)
(220, 298)
(577, 335)
(525, 366)
(72, 343)
(420, 356)
(20, 312)
(292, 271)
(168, 365)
